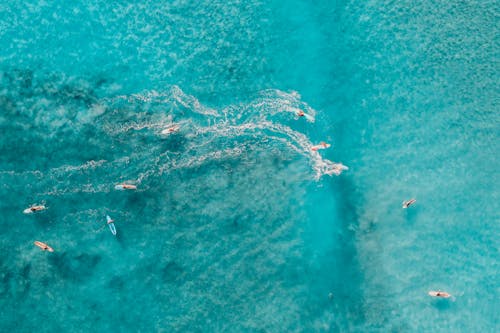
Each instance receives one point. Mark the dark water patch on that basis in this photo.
(117, 284)
(22, 79)
(173, 273)
(411, 214)
(347, 283)
(15, 283)
(47, 111)
(77, 94)
(442, 304)
(6, 277)
(175, 143)
(77, 267)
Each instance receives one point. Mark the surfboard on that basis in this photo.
(122, 187)
(407, 203)
(111, 225)
(439, 294)
(30, 211)
(309, 118)
(43, 246)
(170, 129)
(320, 146)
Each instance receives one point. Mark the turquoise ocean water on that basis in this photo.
(234, 227)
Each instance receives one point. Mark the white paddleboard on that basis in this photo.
(439, 294)
(30, 210)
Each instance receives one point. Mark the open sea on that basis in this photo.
(236, 225)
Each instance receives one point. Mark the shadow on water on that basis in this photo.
(442, 304)
(411, 215)
(118, 238)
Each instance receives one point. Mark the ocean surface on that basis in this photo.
(235, 226)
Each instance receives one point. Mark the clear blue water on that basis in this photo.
(233, 227)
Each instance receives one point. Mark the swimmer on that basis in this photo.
(322, 145)
(34, 208)
(172, 128)
(438, 293)
(336, 169)
(407, 203)
(125, 187)
(44, 246)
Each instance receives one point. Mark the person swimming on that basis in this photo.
(44, 246)
(336, 169)
(322, 145)
(407, 203)
(438, 293)
(125, 187)
(34, 208)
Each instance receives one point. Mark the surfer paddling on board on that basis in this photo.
(407, 203)
(111, 224)
(322, 145)
(438, 293)
(34, 208)
(125, 187)
(299, 113)
(44, 246)
(172, 128)
(336, 169)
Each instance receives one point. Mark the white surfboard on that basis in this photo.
(439, 294)
(34, 209)
(170, 129)
(111, 225)
(122, 187)
(309, 118)
(320, 146)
